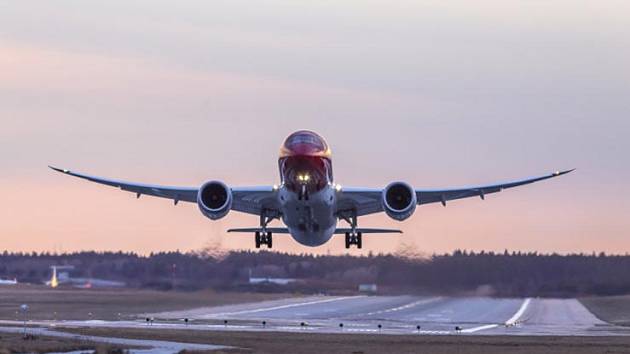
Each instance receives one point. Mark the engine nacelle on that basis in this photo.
(399, 200)
(214, 199)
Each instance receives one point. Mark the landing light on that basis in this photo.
(338, 187)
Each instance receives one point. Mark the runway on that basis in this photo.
(403, 315)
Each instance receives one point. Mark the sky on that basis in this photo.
(434, 93)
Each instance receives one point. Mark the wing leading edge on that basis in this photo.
(368, 200)
(186, 194)
(443, 195)
(250, 200)
(253, 200)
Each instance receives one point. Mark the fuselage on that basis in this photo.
(307, 195)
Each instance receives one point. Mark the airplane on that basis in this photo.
(8, 281)
(307, 199)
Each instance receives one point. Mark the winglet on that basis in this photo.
(58, 169)
(560, 173)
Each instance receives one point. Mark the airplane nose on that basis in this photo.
(305, 143)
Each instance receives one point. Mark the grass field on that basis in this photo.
(84, 304)
(302, 343)
(612, 309)
(14, 343)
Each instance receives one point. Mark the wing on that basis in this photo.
(251, 200)
(368, 200)
(186, 194)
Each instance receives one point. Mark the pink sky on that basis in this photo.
(433, 94)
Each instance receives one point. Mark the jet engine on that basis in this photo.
(399, 200)
(214, 199)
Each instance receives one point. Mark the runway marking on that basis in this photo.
(404, 307)
(285, 306)
(230, 326)
(512, 321)
(480, 328)
(360, 330)
(295, 329)
(433, 332)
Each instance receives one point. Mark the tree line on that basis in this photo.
(459, 272)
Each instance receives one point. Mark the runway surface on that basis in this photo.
(380, 315)
(374, 315)
(403, 314)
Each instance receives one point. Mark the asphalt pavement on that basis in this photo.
(381, 315)
(405, 314)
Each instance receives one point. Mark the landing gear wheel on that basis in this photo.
(269, 240)
(263, 238)
(354, 239)
(257, 236)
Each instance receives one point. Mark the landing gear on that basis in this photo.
(263, 238)
(354, 239)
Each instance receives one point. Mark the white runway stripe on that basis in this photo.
(480, 328)
(518, 313)
(280, 307)
(404, 307)
(513, 320)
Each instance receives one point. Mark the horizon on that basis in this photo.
(222, 253)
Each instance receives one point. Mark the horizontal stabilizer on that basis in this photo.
(284, 230)
(275, 230)
(368, 231)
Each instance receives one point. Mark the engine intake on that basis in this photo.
(399, 200)
(214, 199)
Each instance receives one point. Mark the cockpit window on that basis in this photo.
(305, 137)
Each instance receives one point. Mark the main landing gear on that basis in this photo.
(263, 238)
(353, 237)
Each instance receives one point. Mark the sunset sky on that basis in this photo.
(434, 93)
